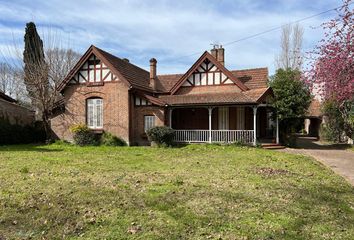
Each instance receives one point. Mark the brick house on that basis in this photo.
(208, 103)
(14, 113)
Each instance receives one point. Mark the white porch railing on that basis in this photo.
(227, 136)
(191, 135)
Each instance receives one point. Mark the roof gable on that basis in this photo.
(92, 68)
(137, 77)
(93, 71)
(119, 68)
(207, 71)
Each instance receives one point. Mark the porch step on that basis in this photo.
(272, 146)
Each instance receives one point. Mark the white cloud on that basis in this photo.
(166, 30)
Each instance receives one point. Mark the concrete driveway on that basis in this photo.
(335, 156)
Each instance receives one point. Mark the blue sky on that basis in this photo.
(166, 30)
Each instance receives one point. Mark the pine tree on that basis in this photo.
(33, 57)
(36, 74)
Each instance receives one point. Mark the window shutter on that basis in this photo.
(90, 122)
(99, 113)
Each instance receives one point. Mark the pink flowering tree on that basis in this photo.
(332, 66)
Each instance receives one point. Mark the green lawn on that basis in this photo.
(193, 192)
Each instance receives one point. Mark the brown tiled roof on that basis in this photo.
(257, 93)
(314, 109)
(253, 78)
(206, 98)
(166, 81)
(137, 76)
(251, 96)
(140, 78)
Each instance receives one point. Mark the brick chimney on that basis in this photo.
(218, 52)
(221, 55)
(214, 52)
(153, 63)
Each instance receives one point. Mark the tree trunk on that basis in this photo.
(46, 126)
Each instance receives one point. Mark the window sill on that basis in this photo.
(97, 130)
(93, 84)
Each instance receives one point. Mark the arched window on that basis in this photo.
(94, 113)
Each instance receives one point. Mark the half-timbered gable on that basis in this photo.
(207, 74)
(93, 71)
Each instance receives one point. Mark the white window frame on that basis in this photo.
(149, 122)
(94, 113)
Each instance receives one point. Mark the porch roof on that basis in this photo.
(247, 97)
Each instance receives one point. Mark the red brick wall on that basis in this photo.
(138, 113)
(15, 113)
(115, 97)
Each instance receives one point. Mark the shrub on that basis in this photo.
(333, 129)
(162, 135)
(109, 139)
(292, 99)
(83, 136)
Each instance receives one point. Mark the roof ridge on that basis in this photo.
(246, 69)
(99, 49)
(254, 89)
(169, 74)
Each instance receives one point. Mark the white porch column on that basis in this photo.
(254, 126)
(277, 131)
(170, 117)
(210, 111)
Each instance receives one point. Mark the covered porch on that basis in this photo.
(224, 124)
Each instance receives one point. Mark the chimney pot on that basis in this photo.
(153, 77)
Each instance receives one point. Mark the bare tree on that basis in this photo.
(60, 62)
(57, 64)
(291, 46)
(43, 77)
(5, 78)
(11, 82)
